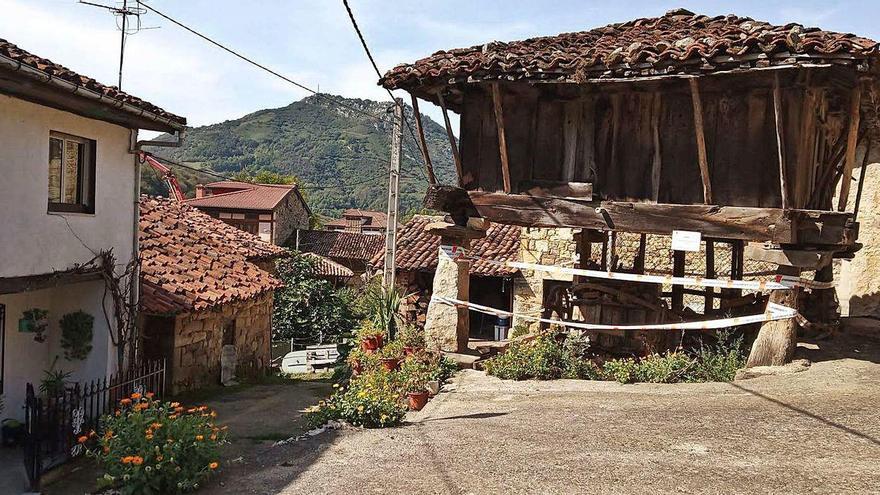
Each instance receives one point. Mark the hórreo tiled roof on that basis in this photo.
(340, 245)
(192, 262)
(417, 250)
(679, 41)
(51, 69)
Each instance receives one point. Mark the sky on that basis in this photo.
(312, 41)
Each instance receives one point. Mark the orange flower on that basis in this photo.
(108, 434)
(150, 395)
(199, 438)
(82, 439)
(126, 460)
(118, 412)
(214, 465)
(213, 414)
(155, 426)
(136, 396)
(125, 401)
(159, 458)
(172, 416)
(203, 408)
(106, 450)
(148, 436)
(175, 404)
(213, 436)
(137, 460)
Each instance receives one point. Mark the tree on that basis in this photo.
(309, 309)
(265, 177)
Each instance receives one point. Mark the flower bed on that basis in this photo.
(551, 355)
(150, 446)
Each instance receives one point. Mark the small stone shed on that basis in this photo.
(204, 285)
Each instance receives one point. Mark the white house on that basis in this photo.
(68, 189)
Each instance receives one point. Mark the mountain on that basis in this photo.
(339, 155)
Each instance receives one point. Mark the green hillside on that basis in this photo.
(339, 155)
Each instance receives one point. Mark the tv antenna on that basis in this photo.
(122, 12)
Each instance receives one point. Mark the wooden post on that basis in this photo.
(678, 259)
(656, 163)
(456, 156)
(777, 339)
(780, 139)
(851, 142)
(422, 143)
(701, 140)
(639, 262)
(390, 265)
(502, 138)
(709, 303)
(862, 173)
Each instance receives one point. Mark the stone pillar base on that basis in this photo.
(447, 328)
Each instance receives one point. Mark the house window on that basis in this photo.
(71, 173)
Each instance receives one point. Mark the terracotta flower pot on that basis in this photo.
(417, 400)
(371, 343)
(390, 364)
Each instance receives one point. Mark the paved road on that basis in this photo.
(817, 431)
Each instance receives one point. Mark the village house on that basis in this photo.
(742, 135)
(274, 212)
(350, 250)
(68, 195)
(359, 221)
(207, 294)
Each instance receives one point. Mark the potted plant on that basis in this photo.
(371, 337)
(413, 339)
(36, 321)
(54, 381)
(391, 355)
(414, 375)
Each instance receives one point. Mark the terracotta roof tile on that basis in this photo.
(342, 245)
(417, 249)
(326, 267)
(375, 219)
(247, 197)
(192, 262)
(677, 41)
(52, 69)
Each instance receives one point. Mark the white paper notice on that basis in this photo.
(454, 252)
(685, 240)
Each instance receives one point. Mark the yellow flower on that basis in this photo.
(200, 438)
(175, 404)
(360, 409)
(148, 436)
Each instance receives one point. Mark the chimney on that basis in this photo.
(200, 191)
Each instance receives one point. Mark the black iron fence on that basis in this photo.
(54, 421)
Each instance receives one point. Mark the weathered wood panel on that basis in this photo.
(548, 156)
(680, 175)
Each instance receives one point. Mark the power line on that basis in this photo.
(259, 65)
(378, 72)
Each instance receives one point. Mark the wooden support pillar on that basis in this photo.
(777, 339)
(678, 260)
(639, 262)
(422, 143)
(502, 135)
(656, 161)
(701, 140)
(456, 156)
(852, 137)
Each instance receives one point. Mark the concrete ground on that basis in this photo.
(817, 431)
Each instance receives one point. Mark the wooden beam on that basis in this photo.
(678, 261)
(701, 140)
(655, 134)
(27, 283)
(805, 227)
(570, 127)
(806, 260)
(581, 190)
(849, 162)
(456, 155)
(862, 173)
(502, 136)
(709, 301)
(780, 139)
(422, 143)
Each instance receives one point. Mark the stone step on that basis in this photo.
(464, 360)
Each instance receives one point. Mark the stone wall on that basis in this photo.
(288, 217)
(546, 246)
(199, 339)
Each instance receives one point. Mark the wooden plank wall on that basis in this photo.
(611, 140)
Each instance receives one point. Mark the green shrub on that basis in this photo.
(372, 399)
(719, 362)
(443, 368)
(76, 335)
(541, 358)
(666, 368)
(154, 447)
(621, 370)
(519, 331)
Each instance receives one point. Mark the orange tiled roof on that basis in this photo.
(192, 262)
(51, 69)
(246, 196)
(417, 250)
(370, 218)
(679, 41)
(325, 267)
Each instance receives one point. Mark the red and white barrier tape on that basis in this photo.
(774, 312)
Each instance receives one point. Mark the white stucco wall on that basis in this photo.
(33, 241)
(26, 359)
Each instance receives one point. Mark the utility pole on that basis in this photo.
(393, 198)
(122, 41)
(124, 26)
